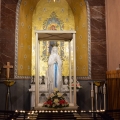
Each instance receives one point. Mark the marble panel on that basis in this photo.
(11, 7)
(7, 48)
(7, 55)
(0, 13)
(98, 35)
(98, 48)
(98, 40)
(98, 74)
(8, 35)
(97, 12)
(10, 1)
(98, 71)
(96, 2)
(98, 67)
(98, 24)
(99, 77)
(6, 11)
(99, 59)
(8, 25)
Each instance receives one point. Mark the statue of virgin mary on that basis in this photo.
(54, 70)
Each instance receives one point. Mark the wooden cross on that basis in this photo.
(8, 66)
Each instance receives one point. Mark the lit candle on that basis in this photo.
(16, 111)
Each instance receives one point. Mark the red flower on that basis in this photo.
(49, 102)
(62, 101)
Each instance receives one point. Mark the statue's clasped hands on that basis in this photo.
(55, 60)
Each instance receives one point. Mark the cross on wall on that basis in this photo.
(8, 66)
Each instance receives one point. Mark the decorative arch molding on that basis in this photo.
(16, 42)
(16, 45)
(89, 44)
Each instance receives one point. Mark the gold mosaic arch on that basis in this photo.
(24, 45)
(57, 17)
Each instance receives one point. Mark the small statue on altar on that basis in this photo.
(66, 80)
(54, 70)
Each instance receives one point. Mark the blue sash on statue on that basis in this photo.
(55, 75)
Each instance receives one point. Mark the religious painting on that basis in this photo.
(53, 23)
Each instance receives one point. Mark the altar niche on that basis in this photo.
(53, 35)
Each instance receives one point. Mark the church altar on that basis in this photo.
(44, 91)
(53, 79)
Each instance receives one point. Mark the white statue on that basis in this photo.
(54, 70)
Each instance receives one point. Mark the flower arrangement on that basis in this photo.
(78, 86)
(56, 100)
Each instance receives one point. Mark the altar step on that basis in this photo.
(53, 116)
(36, 116)
(84, 116)
(29, 115)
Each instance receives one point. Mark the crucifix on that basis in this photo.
(8, 66)
(8, 83)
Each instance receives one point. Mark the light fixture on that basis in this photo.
(54, 0)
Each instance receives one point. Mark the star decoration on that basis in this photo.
(62, 10)
(44, 9)
(21, 67)
(22, 24)
(25, 56)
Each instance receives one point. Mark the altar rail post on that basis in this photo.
(74, 54)
(37, 72)
(70, 71)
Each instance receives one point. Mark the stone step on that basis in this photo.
(46, 116)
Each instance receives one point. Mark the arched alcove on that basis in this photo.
(23, 45)
(57, 17)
